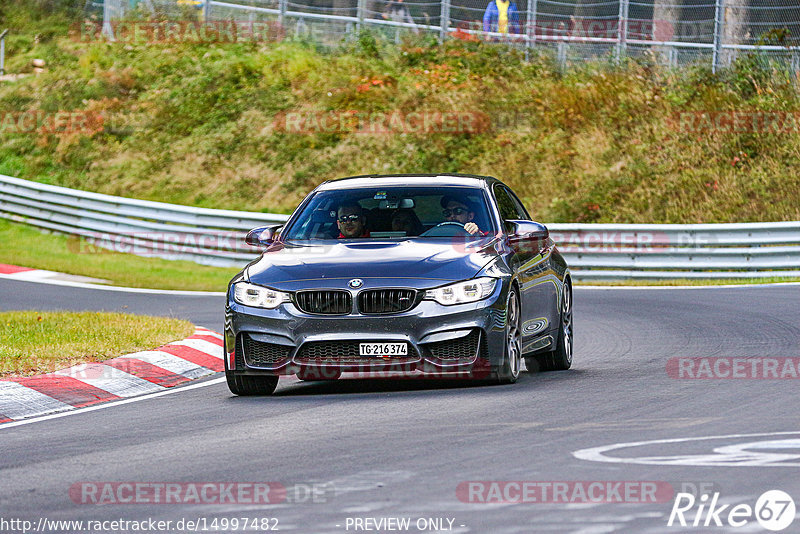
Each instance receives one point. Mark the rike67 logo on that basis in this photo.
(774, 510)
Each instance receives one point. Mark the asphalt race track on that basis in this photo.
(400, 448)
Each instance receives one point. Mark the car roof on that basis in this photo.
(373, 180)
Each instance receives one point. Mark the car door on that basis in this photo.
(539, 285)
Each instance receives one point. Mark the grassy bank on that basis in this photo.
(34, 342)
(206, 124)
(27, 247)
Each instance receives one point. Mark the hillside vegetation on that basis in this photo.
(212, 124)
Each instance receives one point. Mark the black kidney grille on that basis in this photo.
(260, 354)
(340, 352)
(386, 300)
(324, 302)
(463, 348)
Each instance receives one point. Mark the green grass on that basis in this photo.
(27, 247)
(34, 342)
(200, 124)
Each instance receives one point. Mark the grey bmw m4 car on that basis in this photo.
(408, 275)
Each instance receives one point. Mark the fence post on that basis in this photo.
(3, 52)
(622, 29)
(531, 23)
(719, 25)
(444, 19)
(206, 9)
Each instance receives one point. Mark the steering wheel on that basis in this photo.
(447, 229)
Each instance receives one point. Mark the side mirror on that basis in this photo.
(263, 236)
(527, 235)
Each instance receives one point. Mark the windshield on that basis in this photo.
(393, 213)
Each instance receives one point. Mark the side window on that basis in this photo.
(505, 203)
(522, 213)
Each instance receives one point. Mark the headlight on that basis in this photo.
(260, 297)
(463, 292)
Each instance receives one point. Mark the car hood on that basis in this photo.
(411, 263)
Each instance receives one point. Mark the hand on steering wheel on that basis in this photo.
(471, 227)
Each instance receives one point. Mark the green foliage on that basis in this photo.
(257, 125)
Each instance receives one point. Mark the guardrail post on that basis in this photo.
(444, 16)
(360, 15)
(282, 14)
(107, 30)
(622, 29)
(3, 52)
(530, 22)
(719, 28)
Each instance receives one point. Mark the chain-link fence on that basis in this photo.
(671, 32)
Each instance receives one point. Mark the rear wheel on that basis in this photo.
(561, 358)
(509, 369)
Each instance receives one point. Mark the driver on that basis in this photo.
(351, 221)
(461, 211)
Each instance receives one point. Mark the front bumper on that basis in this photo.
(441, 339)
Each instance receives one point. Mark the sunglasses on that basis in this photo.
(454, 211)
(349, 218)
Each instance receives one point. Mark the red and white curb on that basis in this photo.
(126, 376)
(14, 272)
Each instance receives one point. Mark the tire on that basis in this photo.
(251, 385)
(509, 369)
(561, 358)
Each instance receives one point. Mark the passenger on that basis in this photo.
(405, 220)
(461, 211)
(351, 221)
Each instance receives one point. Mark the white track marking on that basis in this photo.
(111, 404)
(111, 379)
(724, 286)
(83, 285)
(202, 345)
(726, 456)
(171, 363)
(206, 332)
(17, 400)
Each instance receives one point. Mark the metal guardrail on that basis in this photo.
(216, 237)
(206, 236)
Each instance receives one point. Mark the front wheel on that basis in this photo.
(561, 358)
(251, 385)
(509, 369)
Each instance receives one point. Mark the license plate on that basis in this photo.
(385, 350)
